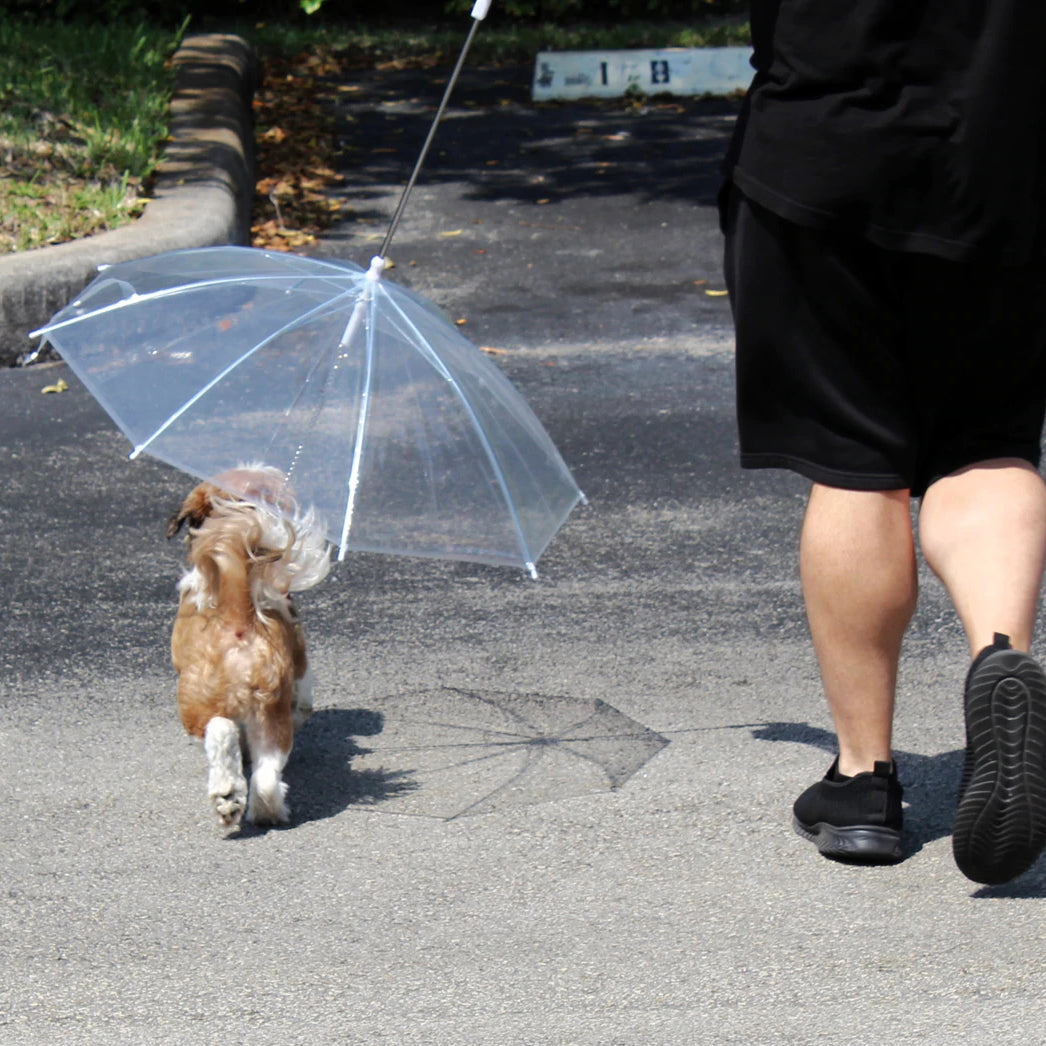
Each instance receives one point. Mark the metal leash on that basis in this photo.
(479, 12)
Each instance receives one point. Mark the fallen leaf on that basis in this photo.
(59, 386)
(461, 322)
(716, 294)
(452, 232)
(490, 350)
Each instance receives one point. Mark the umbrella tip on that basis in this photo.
(377, 267)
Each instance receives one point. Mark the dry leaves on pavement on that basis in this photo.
(296, 141)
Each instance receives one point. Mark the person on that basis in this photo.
(885, 216)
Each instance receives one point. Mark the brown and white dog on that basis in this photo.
(237, 644)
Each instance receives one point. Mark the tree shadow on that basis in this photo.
(504, 146)
(930, 790)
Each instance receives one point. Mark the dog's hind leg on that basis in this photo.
(270, 746)
(226, 784)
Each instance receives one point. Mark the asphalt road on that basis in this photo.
(677, 908)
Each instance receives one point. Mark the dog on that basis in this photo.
(237, 644)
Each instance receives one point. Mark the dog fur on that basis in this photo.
(237, 644)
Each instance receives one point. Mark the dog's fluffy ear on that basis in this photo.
(195, 509)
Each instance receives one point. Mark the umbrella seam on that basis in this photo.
(137, 299)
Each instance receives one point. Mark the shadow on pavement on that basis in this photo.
(506, 147)
(320, 774)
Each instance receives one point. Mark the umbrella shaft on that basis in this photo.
(428, 141)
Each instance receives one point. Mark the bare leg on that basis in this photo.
(983, 531)
(857, 564)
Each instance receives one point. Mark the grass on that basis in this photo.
(83, 118)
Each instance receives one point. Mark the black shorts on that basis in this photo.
(870, 369)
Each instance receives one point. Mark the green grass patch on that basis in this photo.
(83, 118)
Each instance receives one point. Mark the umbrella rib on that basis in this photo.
(488, 448)
(296, 322)
(366, 303)
(166, 292)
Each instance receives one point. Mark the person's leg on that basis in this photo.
(983, 532)
(857, 565)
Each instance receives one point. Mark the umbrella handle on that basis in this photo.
(480, 9)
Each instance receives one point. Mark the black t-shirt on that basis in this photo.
(918, 124)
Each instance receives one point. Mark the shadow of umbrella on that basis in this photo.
(475, 753)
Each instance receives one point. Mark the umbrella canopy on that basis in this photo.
(401, 434)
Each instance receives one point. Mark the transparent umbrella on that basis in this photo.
(402, 435)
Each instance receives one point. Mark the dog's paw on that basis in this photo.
(230, 807)
(268, 801)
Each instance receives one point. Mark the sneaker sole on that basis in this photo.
(869, 844)
(1000, 824)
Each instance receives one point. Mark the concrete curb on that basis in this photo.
(202, 194)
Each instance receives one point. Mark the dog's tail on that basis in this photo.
(291, 555)
(220, 574)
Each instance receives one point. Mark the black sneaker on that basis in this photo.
(1000, 825)
(855, 818)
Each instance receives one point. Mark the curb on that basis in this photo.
(202, 194)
